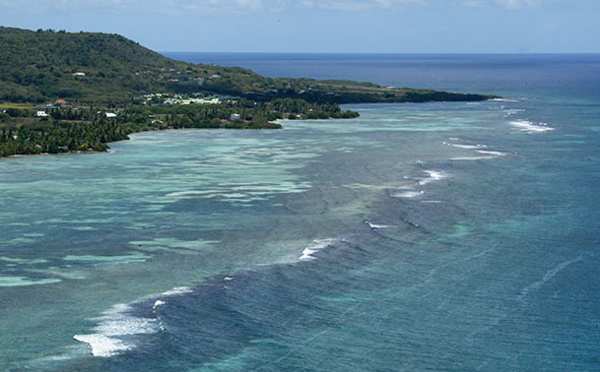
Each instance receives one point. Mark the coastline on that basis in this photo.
(78, 152)
(273, 124)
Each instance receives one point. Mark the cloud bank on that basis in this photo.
(175, 7)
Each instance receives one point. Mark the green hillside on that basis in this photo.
(39, 66)
(45, 65)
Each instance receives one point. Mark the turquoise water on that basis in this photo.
(439, 236)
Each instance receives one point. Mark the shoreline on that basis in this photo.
(275, 124)
(109, 150)
(79, 152)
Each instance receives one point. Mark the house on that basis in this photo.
(60, 102)
(234, 117)
(111, 115)
(199, 81)
(79, 74)
(41, 114)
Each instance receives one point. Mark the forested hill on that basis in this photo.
(108, 69)
(37, 66)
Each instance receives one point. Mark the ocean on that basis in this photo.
(417, 237)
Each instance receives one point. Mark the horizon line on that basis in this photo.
(385, 53)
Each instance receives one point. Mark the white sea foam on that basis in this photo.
(112, 326)
(407, 194)
(433, 176)
(318, 244)
(504, 100)
(514, 111)
(188, 193)
(493, 153)
(377, 226)
(468, 147)
(530, 127)
(170, 293)
(178, 291)
(103, 346)
(480, 149)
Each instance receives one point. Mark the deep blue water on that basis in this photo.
(437, 236)
(503, 74)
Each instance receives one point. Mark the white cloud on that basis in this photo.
(518, 4)
(506, 4)
(356, 5)
(153, 6)
(474, 4)
(343, 5)
(225, 7)
(204, 6)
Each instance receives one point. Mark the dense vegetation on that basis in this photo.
(68, 129)
(74, 79)
(106, 69)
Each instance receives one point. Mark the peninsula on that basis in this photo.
(68, 92)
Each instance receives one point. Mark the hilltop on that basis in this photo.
(45, 65)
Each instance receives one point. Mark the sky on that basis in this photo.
(325, 26)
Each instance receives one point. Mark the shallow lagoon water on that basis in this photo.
(417, 237)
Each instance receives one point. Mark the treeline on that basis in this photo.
(59, 137)
(69, 129)
(247, 113)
